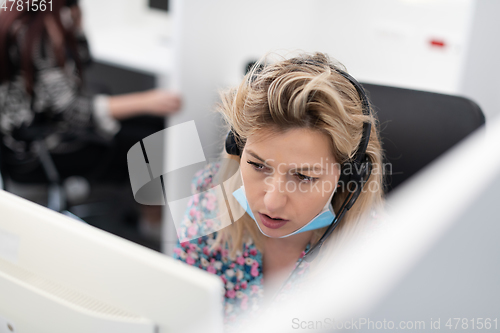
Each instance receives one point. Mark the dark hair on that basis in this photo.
(36, 30)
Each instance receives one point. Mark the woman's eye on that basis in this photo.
(304, 178)
(257, 166)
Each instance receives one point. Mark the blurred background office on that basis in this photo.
(196, 47)
(64, 124)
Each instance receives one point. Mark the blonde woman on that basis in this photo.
(306, 142)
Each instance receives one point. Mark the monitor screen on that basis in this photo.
(61, 275)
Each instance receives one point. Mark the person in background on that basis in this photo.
(43, 56)
(296, 123)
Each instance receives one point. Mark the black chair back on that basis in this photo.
(416, 127)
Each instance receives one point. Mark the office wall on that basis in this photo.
(384, 41)
(107, 14)
(127, 33)
(481, 72)
(393, 42)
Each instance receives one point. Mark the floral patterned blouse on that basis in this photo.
(241, 275)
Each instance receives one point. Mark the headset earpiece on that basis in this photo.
(354, 177)
(355, 173)
(232, 147)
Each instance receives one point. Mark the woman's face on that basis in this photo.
(288, 177)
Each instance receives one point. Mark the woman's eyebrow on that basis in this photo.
(315, 167)
(250, 152)
(308, 168)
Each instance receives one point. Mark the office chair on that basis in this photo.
(416, 127)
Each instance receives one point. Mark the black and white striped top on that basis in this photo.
(69, 111)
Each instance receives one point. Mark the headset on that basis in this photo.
(355, 172)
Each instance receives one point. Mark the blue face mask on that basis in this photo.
(323, 219)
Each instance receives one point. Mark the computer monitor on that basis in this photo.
(61, 275)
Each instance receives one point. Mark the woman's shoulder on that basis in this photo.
(204, 179)
(199, 251)
(240, 270)
(200, 217)
(241, 273)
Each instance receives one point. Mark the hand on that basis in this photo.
(160, 102)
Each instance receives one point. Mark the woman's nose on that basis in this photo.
(275, 196)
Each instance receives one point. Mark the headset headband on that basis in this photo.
(365, 138)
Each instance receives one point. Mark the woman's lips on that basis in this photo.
(270, 223)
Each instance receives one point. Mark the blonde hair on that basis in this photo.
(306, 91)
